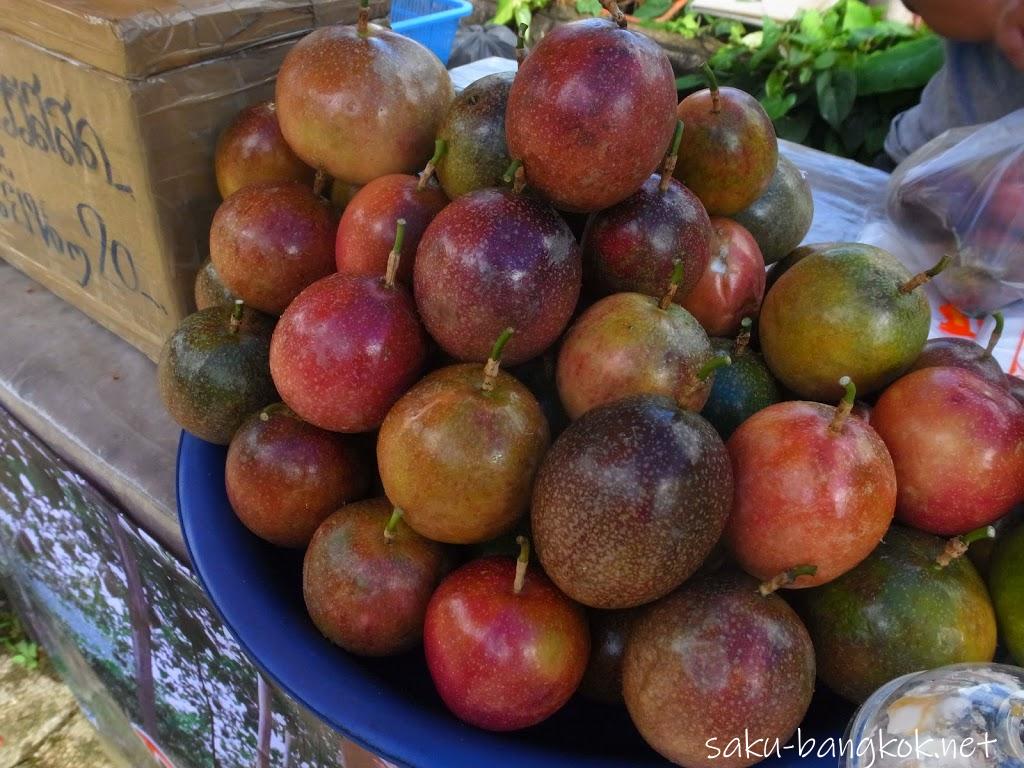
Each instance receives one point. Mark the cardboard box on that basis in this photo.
(109, 113)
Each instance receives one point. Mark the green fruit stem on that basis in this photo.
(739, 346)
(524, 30)
(440, 147)
(521, 563)
(392, 526)
(669, 165)
(957, 546)
(709, 73)
(363, 23)
(845, 405)
(319, 182)
(786, 578)
(718, 361)
(516, 176)
(673, 285)
(494, 361)
(923, 277)
(997, 332)
(396, 254)
(615, 12)
(236, 316)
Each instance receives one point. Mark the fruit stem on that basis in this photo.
(516, 176)
(709, 73)
(786, 578)
(673, 284)
(845, 405)
(669, 165)
(363, 23)
(923, 277)
(997, 332)
(396, 254)
(524, 29)
(718, 361)
(615, 12)
(440, 146)
(957, 546)
(521, 563)
(743, 338)
(319, 182)
(236, 316)
(392, 526)
(494, 361)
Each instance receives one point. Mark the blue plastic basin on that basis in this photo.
(432, 23)
(389, 706)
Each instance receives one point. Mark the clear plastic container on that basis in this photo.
(962, 716)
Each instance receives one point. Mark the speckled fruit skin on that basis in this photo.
(779, 268)
(474, 129)
(365, 593)
(1015, 386)
(586, 91)
(898, 613)
(781, 217)
(727, 157)
(503, 661)
(284, 476)
(609, 631)
(961, 353)
(629, 502)
(361, 107)
(625, 344)
(633, 246)
(460, 461)
(345, 350)
(251, 149)
(806, 495)
(366, 233)
(838, 312)
(1006, 583)
(958, 446)
(210, 379)
(713, 662)
(491, 260)
(269, 241)
(732, 285)
(739, 390)
(210, 290)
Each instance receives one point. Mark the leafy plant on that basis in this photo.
(14, 641)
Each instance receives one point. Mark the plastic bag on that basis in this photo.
(474, 42)
(962, 194)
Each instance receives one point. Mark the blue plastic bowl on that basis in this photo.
(430, 22)
(389, 706)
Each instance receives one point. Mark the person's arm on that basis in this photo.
(977, 21)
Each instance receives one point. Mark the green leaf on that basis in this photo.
(825, 60)
(775, 83)
(795, 125)
(524, 16)
(753, 40)
(806, 73)
(797, 57)
(909, 64)
(505, 11)
(651, 9)
(588, 7)
(836, 90)
(690, 82)
(811, 26)
(778, 106)
(857, 16)
(769, 46)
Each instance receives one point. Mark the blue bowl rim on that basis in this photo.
(459, 8)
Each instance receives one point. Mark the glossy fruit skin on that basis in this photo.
(898, 613)
(958, 446)
(806, 495)
(781, 217)
(727, 157)
(269, 241)
(459, 461)
(345, 350)
(713, 661)
(779, 268)
(491, 260)
(609, 631)
(366, 233)
(961, 353)
(361, 107)
(1006, 583)
(365, 593)
(503, 661)
(210, 290)
(1015, 385)
(732, 285)
(284, 477)
(474, 129)
(838, 312)
(625, 344)
(632, 246)
(739, 390)
(251, 149)
(210, 379)
(629, 502)
(587, 90)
